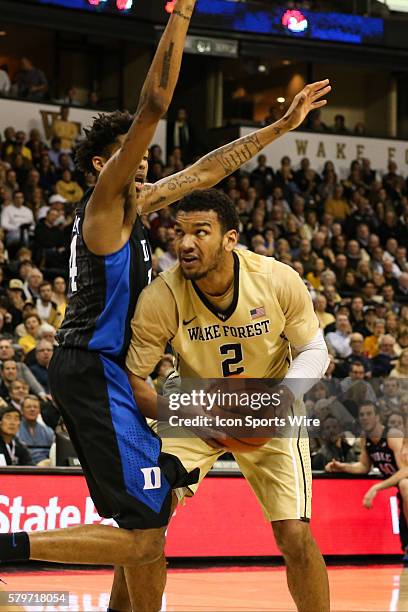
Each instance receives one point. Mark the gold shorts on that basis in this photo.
(279, 472)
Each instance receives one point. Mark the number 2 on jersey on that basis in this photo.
(235, 359)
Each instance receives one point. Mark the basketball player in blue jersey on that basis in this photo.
(128, 476)
(380, 448)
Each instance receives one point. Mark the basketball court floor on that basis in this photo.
(354, 589)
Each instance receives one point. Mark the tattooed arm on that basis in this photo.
(107, 222)
(218, 164)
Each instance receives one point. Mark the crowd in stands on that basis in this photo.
(346, 238)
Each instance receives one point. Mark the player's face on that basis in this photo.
(367, 418)
(200, 244)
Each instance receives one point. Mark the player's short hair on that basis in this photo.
(103, 134)
(212, 199)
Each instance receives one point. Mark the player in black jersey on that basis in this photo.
(380, 448)
(128, 477)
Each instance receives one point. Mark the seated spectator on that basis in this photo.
(59, 296)
(337, 205)
(335, 445)
(391, 395)
(401, 292)
(67, 131)
(32, 324)
(68, 188)
(5, 83)
(35, 435)
(357, 374)
(384, 362)
(262, 177)
(17, 219)
(18, 390)
(31, 82)
(339, 340)
(169, 258)
(22, 372)
(371, 344)
(12, 451)
(325, 318)
(401, 369)
(339, 126)
(46, 308)
(51, 242)
(396, 420)
(32, 284)
(43, 353)
(356, 357)
(314, 276)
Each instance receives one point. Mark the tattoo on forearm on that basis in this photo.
(181, 181)
(233, 156)
(182, 15)
(164, 79)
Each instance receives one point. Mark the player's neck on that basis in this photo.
(218, 281)
(377, 432)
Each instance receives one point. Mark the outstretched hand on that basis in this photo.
(310, 98)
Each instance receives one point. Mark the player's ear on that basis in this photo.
(98, 162)
(230, 240)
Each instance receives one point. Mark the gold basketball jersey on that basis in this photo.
(271, 310)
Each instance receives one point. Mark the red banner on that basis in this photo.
(223, 519)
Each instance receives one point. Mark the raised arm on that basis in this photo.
(222, 162)
(106, 209)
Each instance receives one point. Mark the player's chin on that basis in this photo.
(191, 270)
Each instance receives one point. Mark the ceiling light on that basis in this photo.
(281, 100)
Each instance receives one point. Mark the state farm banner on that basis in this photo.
(341, 150)
(222, 520)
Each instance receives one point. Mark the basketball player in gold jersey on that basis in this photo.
(204, 306)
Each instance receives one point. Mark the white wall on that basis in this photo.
(341, 150)
(26, 116)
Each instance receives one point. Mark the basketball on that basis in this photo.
(247, 428)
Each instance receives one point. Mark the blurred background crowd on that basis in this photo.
(346, 238)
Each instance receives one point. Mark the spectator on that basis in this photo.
(180, 134)
(356, 356)
(401, 293)
(59, 296)
(46, 308)
(34, 434)
(12, 451)
(31, 286)
(17, 219)
(66, 131)
(17, 392)
(68, 188)
(339, 340)
(169, 258)
(31, 82)
(43, 353)
(396, 421)
(337, 205)
(400, 370)
(23, 373)
(5, 83)
(384, 362)
(357, 376)
(325, 318)
(339, 126)
(371, 344)
(335, 445)
(32, 324)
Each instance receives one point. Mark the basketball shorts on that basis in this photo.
(279, 472)
(129, 478)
